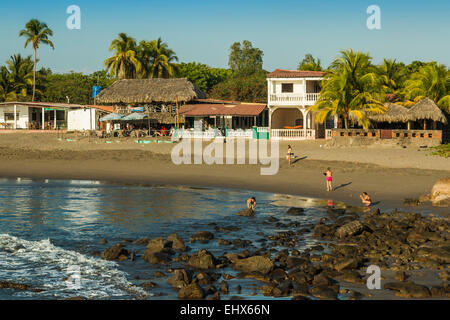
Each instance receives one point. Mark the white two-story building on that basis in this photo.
(290, 93)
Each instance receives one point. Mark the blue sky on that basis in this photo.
(203, 30)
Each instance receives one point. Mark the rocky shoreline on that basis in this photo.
(401, 244)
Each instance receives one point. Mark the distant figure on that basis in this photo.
(329, 176)
(251, 203)
(163, 131)
(289, 154)
(365, 198)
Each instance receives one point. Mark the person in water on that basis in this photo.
(365, 198)
(329, 176)
(251, 203)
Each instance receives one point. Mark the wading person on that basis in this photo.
(365, 198)
(251, 203)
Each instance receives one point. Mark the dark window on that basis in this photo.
(10, 116)
(287, 87)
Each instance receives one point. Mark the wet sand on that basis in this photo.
(388, 174)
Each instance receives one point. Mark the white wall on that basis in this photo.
(22, 119)
(78, 119)
(275, 86)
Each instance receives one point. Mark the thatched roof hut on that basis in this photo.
(427, 109)
(150, 90)
(394, 113)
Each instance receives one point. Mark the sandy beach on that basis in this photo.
(389, 174)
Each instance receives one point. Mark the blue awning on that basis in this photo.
(134, 116)
(111, 117)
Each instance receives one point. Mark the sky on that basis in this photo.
(204, 30)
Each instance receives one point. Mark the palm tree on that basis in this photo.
(309, 63)
(350, 89)
(392, 75)
(21, 73)
(7, 90)
(160, 59)
(432, 81)
(36, 33)
(124, 64)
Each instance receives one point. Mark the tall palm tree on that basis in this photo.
(162, 59)
(392, 75)
(432, 81)
(7, 90)
(21, 73)
(350, 89)
(124, 64)
(36, 32)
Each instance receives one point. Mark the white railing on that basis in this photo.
(292, 99)
(312, 97)
(239, 133)
(293, 134)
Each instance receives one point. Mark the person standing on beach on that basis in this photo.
(289, 154)
(365, 198)
(329, 176)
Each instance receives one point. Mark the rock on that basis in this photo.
(143, 241)
(76, 298)
(254, 264)
(158, 245)
(202, 236)
(350, 229)
(114, 253)
(408, 289)
(149, 285)
(400, 276)
(177, 242)
(440, 193)
(156, 257)
(346, 263)
(438, 292)
(222, 242)
(322, 230)
(202, 260)
(158, 274)
(323, 292)
(278, 275)
(246, 213)
(192, 291)
(321, 280)
(12, 285)
(224, 287)
(296, 262)
(293, 211)
(179, 278)
(103, 241)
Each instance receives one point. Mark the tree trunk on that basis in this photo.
(34, 75)
(346, 121)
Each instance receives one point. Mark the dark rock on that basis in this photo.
(158, 274)
(114, 252)
(437, 292)
(12, 285)
(202, 260)
(149, 285)
(202, 236)
(156, 257)
(323, 292)
(346, 263)
(408, 289)
(180, 278)
(400, 276)
(321, 280)
(278, 275)
(256, 263)
(224, 287)
(300, 290)
(293, 211)
(350, 229)
(192, 291)
(143, 241)
(246, 213)
(157, 245)
(203, 278)
(177, 242)
(223, 242)
(103, 241)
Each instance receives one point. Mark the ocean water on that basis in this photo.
(49, 227)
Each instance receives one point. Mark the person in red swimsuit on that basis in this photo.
(329, 176)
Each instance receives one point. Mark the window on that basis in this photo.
(287, 87)
(9, 116)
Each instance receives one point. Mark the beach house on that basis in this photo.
(290, 93)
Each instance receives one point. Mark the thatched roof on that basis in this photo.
(394, 113)
(165, 117)
(150, 90)
(427, 109)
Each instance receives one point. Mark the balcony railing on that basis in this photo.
(293, 99)
(293, 134)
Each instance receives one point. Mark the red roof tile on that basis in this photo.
(282, 73)
(244, 109)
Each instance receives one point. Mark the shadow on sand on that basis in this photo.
(342, 185)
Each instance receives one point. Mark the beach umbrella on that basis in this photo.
(134, 116)
(111, 117)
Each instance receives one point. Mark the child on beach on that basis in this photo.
(289, 154)
(365, 198)
(329, 176)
